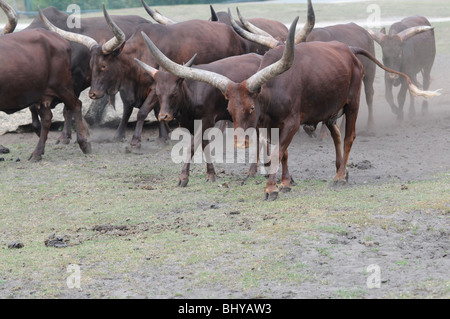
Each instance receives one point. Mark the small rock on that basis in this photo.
(15, 245)
(57, 242)
(4, 150)
(364, 165)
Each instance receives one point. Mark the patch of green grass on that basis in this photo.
(349, 294)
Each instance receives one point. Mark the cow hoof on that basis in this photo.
(86, 147)
(63, 140)
(35, 158)
(162, 141)
(118, 138)
(211, 178)
(293, 183)
(183, 182)
(271, 197)
(284, 189)
(339, 183)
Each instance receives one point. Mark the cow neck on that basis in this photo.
(134, 78)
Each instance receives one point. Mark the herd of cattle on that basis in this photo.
(255, 73)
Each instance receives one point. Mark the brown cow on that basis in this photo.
(39, 71)
(409, 47)
(189, 100)
(289, 90)
(9, 28)
(98, 29)
(356, 36)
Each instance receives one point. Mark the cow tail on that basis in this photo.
(412, 88)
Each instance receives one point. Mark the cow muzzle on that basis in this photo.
(165, 117)
(241, 142)
(95, 95)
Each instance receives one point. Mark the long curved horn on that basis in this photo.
(267, 41)
(214, 16)
(377, 36)
(118, 39)
(219, 81)
(408, 33)
(251, 27)
(74, 37)
(152, 71)
(149, 69)
(12, 17)
(255, 82)
(156, 15)
(309, 25)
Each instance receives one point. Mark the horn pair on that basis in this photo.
(259, 36)
(12, 18)
(107, 48)
(404, 35)
(221, 82)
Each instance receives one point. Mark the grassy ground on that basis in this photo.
(131, 229)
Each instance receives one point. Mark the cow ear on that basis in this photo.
(383, 30)
(117, 51)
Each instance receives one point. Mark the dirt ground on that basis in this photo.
(416, 150)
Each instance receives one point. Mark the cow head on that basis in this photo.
(242, 97)
(105, 71)
(168, 89)
(392, 47)
(12, 17)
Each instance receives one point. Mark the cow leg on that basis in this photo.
(35, 122)
(426, 85)
(401, 98)
(46, 121)
(390, 96)
(66, 133)
(350, 128)
(144, 110)
(210, 172)
(286, 135)
(323, 132)
(369, 92)
(336, 135)
(82, 130)
(286, 179)
(183, 178)
(127, 111)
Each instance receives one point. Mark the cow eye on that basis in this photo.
(252, 108)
